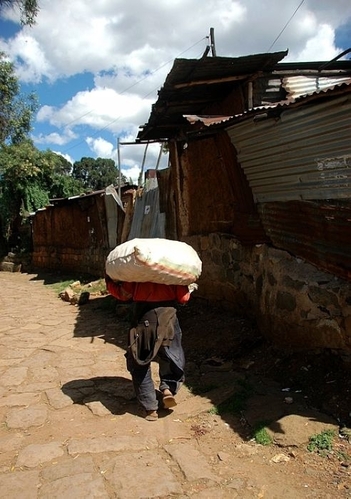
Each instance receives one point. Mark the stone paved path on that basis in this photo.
(70, 426)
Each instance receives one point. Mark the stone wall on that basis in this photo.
(294, 304)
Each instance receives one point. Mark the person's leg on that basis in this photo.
(167, 380)
(171, 368)
(143, 386)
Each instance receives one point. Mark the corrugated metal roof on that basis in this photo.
(207, 120)
(298, 86)
(101, 192)
(275, 109)
(199, 71)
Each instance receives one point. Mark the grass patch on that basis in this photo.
(61, 285)
(97, 286)
(214, 411)
(343, 456)
(261, 435)
(321, 442)
(236, 403)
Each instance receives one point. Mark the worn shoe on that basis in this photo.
(168, 399)
(151, 416)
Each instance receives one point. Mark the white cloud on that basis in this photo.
(101, 147)
(100, 108)
(59, 139)
(129, 47)
(66, 156)
(322, 42)
(132, 173)
(230, 13)
(131, 155)
(32, 63)
(79, 36)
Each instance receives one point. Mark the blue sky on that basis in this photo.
(97, 66)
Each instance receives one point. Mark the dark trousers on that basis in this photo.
(171, 371)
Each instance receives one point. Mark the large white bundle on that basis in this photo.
(156, 260)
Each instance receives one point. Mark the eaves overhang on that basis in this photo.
(195, 84)
(193, 87)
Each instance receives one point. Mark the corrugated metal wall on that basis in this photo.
(318, 232)
(304, 154)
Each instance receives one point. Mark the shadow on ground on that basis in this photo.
(247, 381)
(115, 393)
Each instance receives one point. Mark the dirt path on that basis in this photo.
(71, 428)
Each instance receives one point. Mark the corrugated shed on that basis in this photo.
(303, 154)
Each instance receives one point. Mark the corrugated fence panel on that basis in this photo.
(304, 154)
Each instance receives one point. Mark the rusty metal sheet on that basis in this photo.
(319, 233)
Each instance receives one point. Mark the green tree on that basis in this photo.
(62, 184)
(96, 174)
(28, 179)
(62, 165)
(16, 110)
(28, 8)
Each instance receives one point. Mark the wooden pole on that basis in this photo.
(212, 42)
(159, 157)
(140, 180)
(119, 169)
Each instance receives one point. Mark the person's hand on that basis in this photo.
(193, 287)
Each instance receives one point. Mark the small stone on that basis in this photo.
(67, 294)
(98, 409)
(36, 454)
(58, 399)
(280, 458)
(26, 417)
(223, 456)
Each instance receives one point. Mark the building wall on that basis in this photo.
(293, 276)
(211, 191)
(298, 166)
(72, 236)
(294, 304)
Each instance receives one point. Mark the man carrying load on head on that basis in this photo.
(155, 332)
